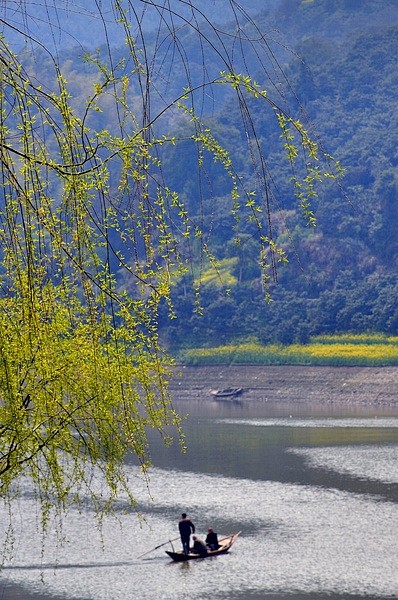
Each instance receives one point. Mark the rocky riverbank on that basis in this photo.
(343, 385)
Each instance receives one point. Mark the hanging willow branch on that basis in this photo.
(92, 237)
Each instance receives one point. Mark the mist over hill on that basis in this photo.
(65, 24)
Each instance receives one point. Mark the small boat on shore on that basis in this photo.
(223, 547)
(227, 392)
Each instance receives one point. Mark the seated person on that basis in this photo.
(199, 547)
(212, 539)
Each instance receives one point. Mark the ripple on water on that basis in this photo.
(376, 422)
(299, 538)
(378, 463)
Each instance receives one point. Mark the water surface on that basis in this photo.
(313, 489)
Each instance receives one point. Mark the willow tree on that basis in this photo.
(93, 238)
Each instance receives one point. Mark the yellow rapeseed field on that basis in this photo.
(365, 350)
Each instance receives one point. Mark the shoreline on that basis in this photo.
(374, 386)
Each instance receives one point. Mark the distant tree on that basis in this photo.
(383, 228)
(93, 238)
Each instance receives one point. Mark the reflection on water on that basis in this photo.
(304, 490)
(261, 448)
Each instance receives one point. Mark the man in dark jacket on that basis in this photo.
(185, 526)
(212, 539)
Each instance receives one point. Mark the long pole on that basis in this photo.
(156, 547)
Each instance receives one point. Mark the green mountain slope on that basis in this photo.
(342, 275)
(340, 75)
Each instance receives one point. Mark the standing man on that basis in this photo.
(186, 527)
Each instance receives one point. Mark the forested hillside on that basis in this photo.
(341, 275)
(339, 61)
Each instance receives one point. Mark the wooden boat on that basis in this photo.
(224, 546)
(226, 393)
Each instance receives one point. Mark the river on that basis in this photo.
(312, 488)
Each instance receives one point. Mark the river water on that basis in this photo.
(313, 490)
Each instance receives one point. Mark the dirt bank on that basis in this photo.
(344, 385)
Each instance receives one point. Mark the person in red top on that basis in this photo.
(186, 527)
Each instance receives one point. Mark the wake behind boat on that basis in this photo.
(223, 547)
